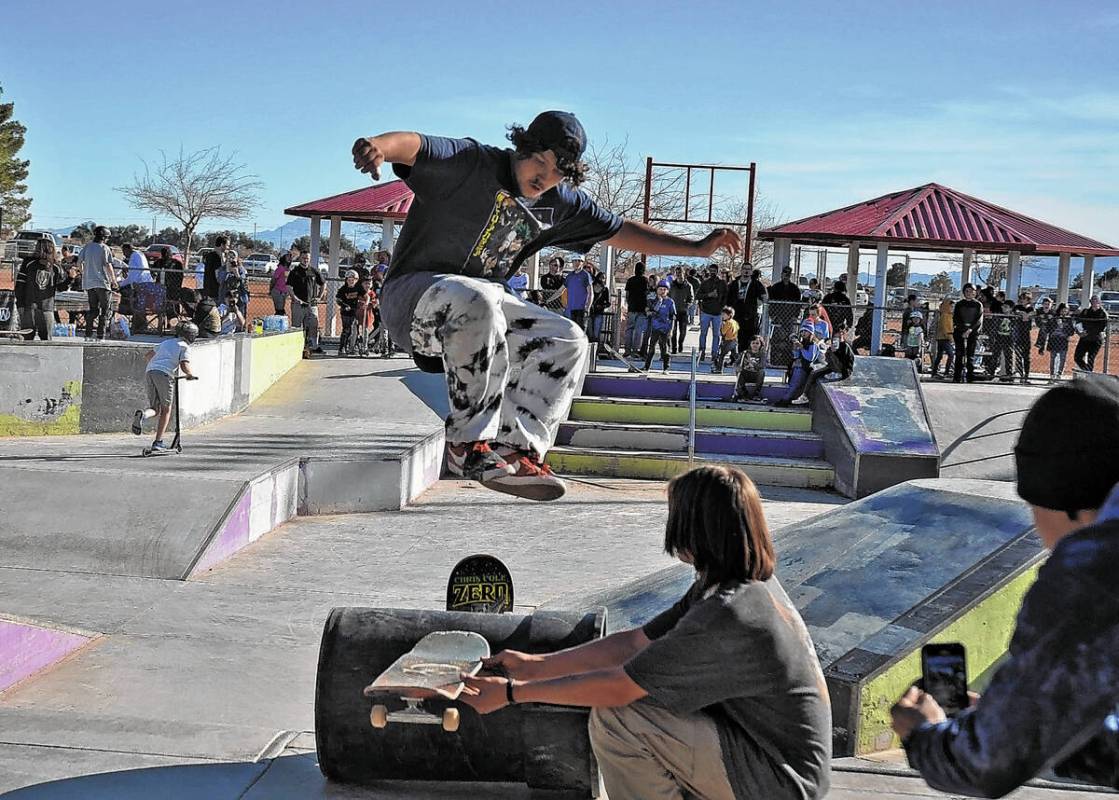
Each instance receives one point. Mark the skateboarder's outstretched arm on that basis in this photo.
(642, 238)
(611, 651)
(395, 147)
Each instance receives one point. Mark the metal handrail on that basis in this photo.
(691, 409)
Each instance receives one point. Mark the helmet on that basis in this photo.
(187, 330)
(352, 274)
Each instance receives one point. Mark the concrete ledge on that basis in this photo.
(352, 486)
(26, 648)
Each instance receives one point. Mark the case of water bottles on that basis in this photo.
(275, 323)
(63, 330)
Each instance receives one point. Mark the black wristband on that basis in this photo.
(509, 692)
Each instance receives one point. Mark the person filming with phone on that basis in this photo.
(1053, 703)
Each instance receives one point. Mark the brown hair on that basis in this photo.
(715, 521)
(45, 249)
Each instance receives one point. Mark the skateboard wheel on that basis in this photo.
(379, 716)
(451, 720)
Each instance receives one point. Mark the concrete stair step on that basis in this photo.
(709, 413)
(804, 473)
(674, 439)
(669, 387)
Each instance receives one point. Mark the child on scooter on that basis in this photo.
(164, 363)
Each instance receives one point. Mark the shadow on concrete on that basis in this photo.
(974, 433)
(289, 777)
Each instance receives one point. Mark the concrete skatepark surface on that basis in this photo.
(204, 688)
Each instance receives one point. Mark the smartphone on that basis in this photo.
(944, 674)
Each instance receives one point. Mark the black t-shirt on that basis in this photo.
(966, 314)
(467, 219)
(348, 297)
(785, 292)
(637, 289)
(1094, 321)
(305, 283)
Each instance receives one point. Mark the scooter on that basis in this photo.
(176, 443)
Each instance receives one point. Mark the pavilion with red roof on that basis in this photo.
(935, 217)
(387, 203)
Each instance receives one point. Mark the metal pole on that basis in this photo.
(749, 216)
(711, 195)
(648, 196)
(691, 410)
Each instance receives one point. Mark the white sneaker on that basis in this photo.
(532, 479)
(137, 420)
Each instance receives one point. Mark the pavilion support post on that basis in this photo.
(316, 234)
(781, 251)
(852, 270)
(534, 278)
(606, 265)
(879, 318)
(965, 266)
(1087, 280)
(1063, 276)
(332, 271)
(1013, 275)
(388, 234)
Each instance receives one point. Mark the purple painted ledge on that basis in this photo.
(25, 649)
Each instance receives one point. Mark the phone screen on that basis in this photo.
(944, 671)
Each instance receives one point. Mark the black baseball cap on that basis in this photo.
(560, 132)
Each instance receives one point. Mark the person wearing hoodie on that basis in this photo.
(945, 347)
(1053, 702)
(662, 313)
(683, 295)
(39, 277)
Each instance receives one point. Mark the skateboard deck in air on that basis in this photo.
(480, 583)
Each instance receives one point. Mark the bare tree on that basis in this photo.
(193, 187)
(997, 266)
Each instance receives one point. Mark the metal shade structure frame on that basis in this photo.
(709, 219)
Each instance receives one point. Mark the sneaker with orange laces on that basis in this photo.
(476, 461)
(531, 479)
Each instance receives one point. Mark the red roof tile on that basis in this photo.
(372, 203)
(937, 217)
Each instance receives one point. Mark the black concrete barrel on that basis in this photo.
(545, 747)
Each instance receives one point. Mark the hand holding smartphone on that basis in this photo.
(944, 675)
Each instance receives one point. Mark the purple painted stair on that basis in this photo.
(669, 387)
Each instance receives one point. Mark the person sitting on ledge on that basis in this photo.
(1053, 703)
(720, 696)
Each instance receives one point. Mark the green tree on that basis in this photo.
(13, 171)
(896, 274)
(119, 234)
(941, 283)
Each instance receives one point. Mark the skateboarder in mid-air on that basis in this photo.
(479, 212)
(164, 363)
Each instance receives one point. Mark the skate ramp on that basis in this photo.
(875, 426)
(874, 580)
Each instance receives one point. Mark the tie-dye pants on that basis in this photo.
(512, 367)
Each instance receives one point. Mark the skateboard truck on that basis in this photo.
(414, 712)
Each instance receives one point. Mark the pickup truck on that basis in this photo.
(25, 243)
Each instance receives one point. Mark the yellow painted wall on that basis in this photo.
(66, 422)
(271, 356)
(985, 632)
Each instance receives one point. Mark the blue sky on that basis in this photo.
(1017, 102)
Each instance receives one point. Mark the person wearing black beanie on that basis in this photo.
(1054, 701)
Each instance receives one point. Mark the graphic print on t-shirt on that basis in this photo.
(510, 226)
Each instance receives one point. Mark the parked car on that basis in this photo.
(861, 298)
(25, 243)
(1110, 302)
(154, 252)
(261, 264)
